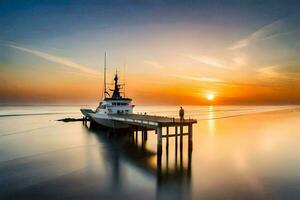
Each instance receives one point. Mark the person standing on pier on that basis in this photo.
(181, 113)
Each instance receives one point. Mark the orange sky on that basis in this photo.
(144, 89)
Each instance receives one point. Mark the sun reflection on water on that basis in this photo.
(211, 120)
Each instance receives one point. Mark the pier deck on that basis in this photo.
(151, 121)
(143, 122)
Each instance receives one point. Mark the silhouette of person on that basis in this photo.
(181, 113)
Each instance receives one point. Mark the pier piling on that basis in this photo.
(190, 141)
(167, 132)
(137, 137)
(181, 138)
(159, 140)
(146, 135)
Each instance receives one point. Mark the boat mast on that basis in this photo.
(104, 75)
(124, 79)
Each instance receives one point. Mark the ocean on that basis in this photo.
(239, 152)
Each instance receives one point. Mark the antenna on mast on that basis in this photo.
(104, 75)
(124, 79)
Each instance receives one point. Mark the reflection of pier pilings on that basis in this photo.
(177, 177)
(137, 132)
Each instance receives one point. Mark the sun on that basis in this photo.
(210, 97)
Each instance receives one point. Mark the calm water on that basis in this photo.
(239, 152)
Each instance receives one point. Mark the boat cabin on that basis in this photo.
(116, 104)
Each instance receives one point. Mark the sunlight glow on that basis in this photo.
(210, 97)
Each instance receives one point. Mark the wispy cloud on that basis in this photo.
(271, 72)
(220, 82)
(265, 32)
(153, 64)
(196, 78)
(56, 59)
(208, 61)
(239, 60)
(278, 73)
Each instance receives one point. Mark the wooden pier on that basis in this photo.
(161, 126)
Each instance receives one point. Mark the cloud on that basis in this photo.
(272, 72)
(263, 33)
(196, 78)
(238, 60)
(223, 82)
(241, 43)
(207, 60)
(56, 59)
(153, 64)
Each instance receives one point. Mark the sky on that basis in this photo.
(167, 52)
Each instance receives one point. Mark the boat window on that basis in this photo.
(120, 104)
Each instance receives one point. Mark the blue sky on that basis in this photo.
(27, 21)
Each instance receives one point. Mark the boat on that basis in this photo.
(111, 105)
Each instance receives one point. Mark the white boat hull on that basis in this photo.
(106, 122)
